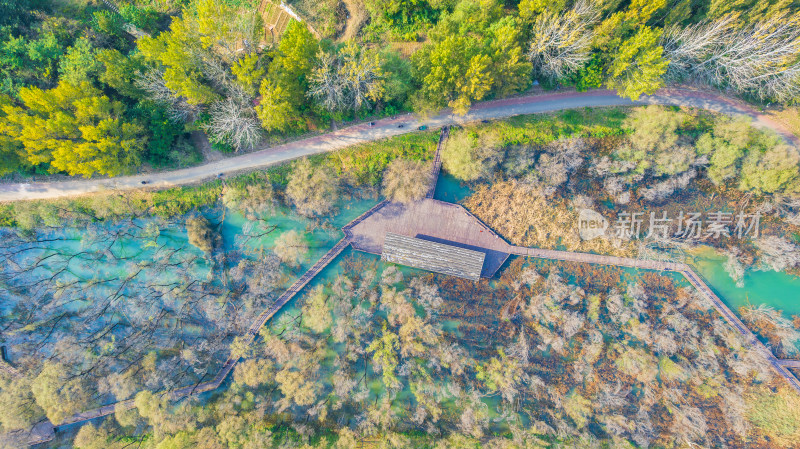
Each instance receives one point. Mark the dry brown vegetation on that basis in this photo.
(523, 215)
(406, 180)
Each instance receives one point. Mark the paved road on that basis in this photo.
(384, 128)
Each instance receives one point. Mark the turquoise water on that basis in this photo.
(450, 189)
(82, 256)
(776, 289)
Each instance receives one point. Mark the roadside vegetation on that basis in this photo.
(159, 83)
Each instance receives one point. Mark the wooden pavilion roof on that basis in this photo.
(433, 256)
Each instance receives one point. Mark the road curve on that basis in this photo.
(387, 128)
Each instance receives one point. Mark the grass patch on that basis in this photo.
(776, 415)
(538, 129)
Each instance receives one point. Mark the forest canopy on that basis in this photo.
(221, 72)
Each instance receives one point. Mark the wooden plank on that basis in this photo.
(432, 256)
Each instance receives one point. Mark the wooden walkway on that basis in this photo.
(45, 430)
(431, 220)
(437, 162)
(442, 222)
(693, 278)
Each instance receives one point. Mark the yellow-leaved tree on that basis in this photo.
(74, 129)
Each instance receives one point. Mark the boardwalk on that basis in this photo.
(442, 222)
(437, 162)
(790, 363)
(693, 278)
(433, 220)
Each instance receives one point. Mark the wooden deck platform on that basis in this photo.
(432, 220)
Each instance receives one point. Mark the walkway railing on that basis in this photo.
(45, 432)
(694, 279)
(437, 162)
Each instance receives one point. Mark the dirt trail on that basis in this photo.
(356, 16)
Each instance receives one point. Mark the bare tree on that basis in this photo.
(362, 75)
(351, 78)
(561, 41)
(327, 85)
(759, 59)
(234, 122)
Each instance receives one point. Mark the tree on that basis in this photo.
(578, 408)
(316, 311)
(283, 91)
(561, 41)
(326, 83)
(275, 108)
(252, 199)
(453, 72)
(58, 394)
(503, 375)
(726, 145)
(512, 71)
(772, 170)
(80, 64)
(758, 59)
(532, 9)
(654, 127)
(297, 386)
(313, 190)
(12, 153)
(621, 25)
(399, 82)
(234, 122)
(347, 439)
(91, 437)
(292, 248)
(120, 71)
(254, 372)
(74, 128)
(362, 75)
(638, 65)
(29, 62)
(200, 234)
(470, 155)
(294, 60)
(178, 65)
(384, 349)
(348, 78)
(249, 71)
(192, 54)
(18, 409)
(405, 180)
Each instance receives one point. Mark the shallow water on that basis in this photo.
(450, 189)
(776, 289)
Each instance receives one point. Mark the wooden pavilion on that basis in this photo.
(433, 256)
